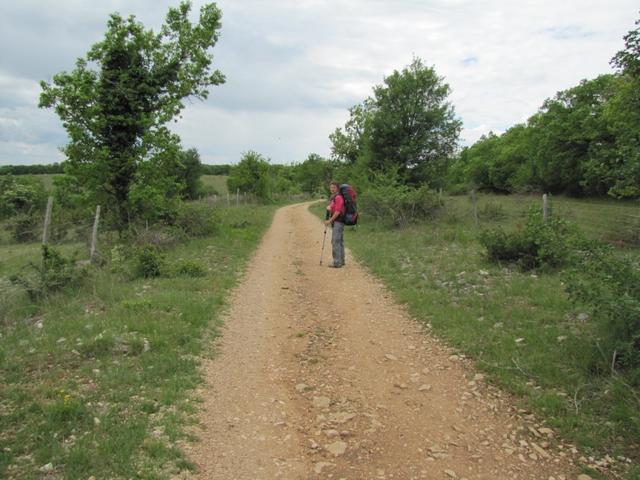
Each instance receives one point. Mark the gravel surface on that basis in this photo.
(319, 374)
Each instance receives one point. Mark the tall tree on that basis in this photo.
(414, 127)
(624, 116)
(252, 175)
(116, 103)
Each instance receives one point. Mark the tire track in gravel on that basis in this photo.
(319, 374)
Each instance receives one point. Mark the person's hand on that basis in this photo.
(327, 222)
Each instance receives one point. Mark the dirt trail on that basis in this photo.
(301, 389)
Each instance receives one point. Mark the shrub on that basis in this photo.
(196, 219)
(189, 268)
(54, 273)
(158, 236)
(399, 204)
(148, 262)
(20, 196)
(26, 227)
(539, 244)
(611, 285)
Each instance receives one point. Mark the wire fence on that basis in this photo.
(610, 220)
(21, 245)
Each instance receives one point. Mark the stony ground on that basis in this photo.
(320, 375)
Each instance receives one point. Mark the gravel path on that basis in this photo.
(320, 375)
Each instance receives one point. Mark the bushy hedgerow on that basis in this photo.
(399, 204)
(537, 244)
(196, 219)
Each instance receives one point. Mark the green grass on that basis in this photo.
(97, 381)
(217, 182)
(519, 328)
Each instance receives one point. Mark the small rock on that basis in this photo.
(424, 388)
(321, 402)
(583, 317)
(337, 448)
(320, 465)
(388, 356)
(47, 468)
(584, 476)
(301, 387)
(451, 474)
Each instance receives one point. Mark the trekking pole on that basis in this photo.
(323, 239)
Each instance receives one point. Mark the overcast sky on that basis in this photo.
(294, 67)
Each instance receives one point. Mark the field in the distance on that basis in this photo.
(217, 182)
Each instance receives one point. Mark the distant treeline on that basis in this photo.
(583, 141)
(31, 169)
(59, 168)
(215, 169)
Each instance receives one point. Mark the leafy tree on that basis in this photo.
(314, 174)
(414, 126)
(115, 104)
(252, 175)
(349, 144)
(570, 133)
(624, 116)
(407, 125)
(192, 170)
(216, 169)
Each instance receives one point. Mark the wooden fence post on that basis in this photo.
(228, 200)
(237, 197)
(474, 201)
(545, 208)
(47, 221)
(94, 236)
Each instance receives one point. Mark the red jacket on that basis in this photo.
(337, 205)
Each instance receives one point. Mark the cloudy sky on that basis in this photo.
(294, 67)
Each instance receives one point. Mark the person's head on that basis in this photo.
(333, 187)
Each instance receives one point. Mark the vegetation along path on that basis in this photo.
(319, 374)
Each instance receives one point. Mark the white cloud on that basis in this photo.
(293, 67)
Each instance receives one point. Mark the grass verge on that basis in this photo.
(96, 382)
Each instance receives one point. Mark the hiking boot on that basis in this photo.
(331, 265)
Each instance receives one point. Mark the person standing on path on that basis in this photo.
(336, 210)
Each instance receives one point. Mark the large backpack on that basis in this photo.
(350, 216)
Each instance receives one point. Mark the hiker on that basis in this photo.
(336, 210)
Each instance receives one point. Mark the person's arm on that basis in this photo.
(338, 207)
(332, 218)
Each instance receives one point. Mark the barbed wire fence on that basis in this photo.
(77, 238)
(609, 220)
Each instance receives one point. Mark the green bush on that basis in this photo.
(148, 263)
(540, 243)
(26, 227)
(189, 268)
(197, 219)
(611, 286)
(399, 204)
(54, 273)
(20, 196)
